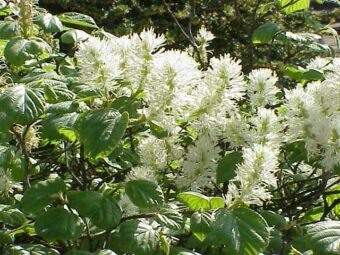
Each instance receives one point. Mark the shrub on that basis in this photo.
(117, 145)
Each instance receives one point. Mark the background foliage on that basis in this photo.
(103, 150)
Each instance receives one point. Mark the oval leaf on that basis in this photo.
(324, 237)
(41, 194)
(100, 131)
(137, 238)
(22, 104)
(58, 224)
(194, 201)
(144, 194)
(265, 33)
(50, 23)
(103, 211)
(226, 167)
(18, 50)
(242, 230)
(77, 19)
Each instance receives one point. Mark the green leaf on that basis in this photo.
(100, 131)
(56, 91)
(293, 72)
(137, 238)
(290, 6)
(182, 251)
(11, 216)
(200, 224)
(324, 237)
(8, 29)
(103, 211)
(144, 194)
(32, 249)
(170, 218)
(41, 194)
(196, 201)
(242, 230)
(78, 252)
(50, 23)
(63, 107)
(74, 36)
(273, 219)
(58, 224)
(18, 50)
(216, 202)
(6, 121)
(331, 198)
(22, 104)
(57, 127)
(106, 252)
(226, 167)
(265, 33)
(78, 20)
(312, 75)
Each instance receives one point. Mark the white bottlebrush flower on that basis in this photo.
(98, 64)
(144, 172)
(296, 112)
(225, 79)
(254, 176)
(319, 63)
(170, 88)
(200, 165)
(261, 87)
(153, 152)
(266, 128)
(7, 185)
(150, 42)
(223, 85)
(312, 115)
(204, 36)
(237, 131)
(332, 147)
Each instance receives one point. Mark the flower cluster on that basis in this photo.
(220, 109)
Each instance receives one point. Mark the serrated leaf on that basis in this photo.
(74, 36)
(216, 202)
(77, 19)
(100, 131)
(194, 201)
(290, 6)
(200, 224)
(170, 218)
(68, 226)
(103, 211)
(265, 33)
(57, 127)
(144, 194)
(11, 215)
(18, 50)
(41, 194)
(22, 104)
(6, 122)
(50, 23)
(242, 230)
(8, 29)
(63, 107)
(31, 249)
(226, 167)
(324, 237)
(56, 91)
(137, 238)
